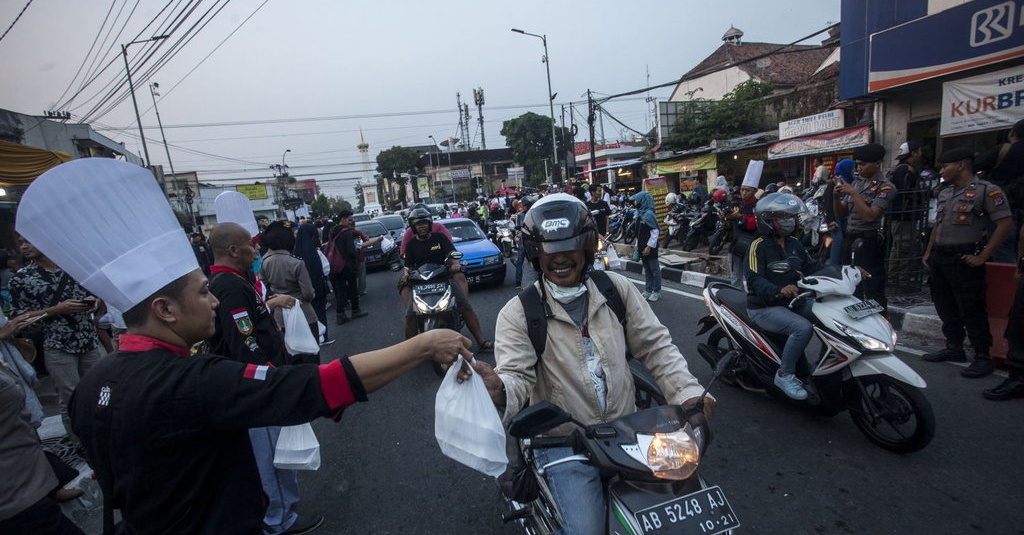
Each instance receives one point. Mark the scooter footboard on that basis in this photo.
(888, 364)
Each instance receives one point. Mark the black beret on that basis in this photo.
(872, 152)
(956, 155)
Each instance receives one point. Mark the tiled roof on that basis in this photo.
(789, 67)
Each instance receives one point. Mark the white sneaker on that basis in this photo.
(654, 296)
(646, 295)
(791, 386)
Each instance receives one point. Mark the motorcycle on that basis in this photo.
(433, 301)
(678, 223)
(721, 237)
(648, 462)
(622, 225)
(701, 227)
(504, 237)
(855, 370)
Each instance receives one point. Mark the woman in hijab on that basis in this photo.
(306, 245)
(647, 245)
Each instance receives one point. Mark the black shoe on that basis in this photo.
(947, 354)
(304, 524)
(1011, 388)
(341, 319)
(979, 368)
(358, 313)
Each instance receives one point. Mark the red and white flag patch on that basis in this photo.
(253, 371)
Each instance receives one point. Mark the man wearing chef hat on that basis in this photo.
(166, 432)
(741, 218)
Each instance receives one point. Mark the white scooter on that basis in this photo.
(856, 369)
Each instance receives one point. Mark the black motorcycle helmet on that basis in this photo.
(557, 223)
(419, 214)
(528, 201)
(778, 214)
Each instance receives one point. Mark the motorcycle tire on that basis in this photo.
(719, 340)
(896, 404)
(691, 242)
(715, 246)
(506, 250)
(616, 234)
(630, 235)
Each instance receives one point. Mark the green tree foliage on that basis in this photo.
(395, 162)
(361, 202)
(529, 137)
(321, 205)
(740, 112)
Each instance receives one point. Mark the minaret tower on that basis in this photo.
(370, 201)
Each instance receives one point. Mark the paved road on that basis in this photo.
(784, 471)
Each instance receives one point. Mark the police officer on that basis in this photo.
(863, 204)
(956, 256)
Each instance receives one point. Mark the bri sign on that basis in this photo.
(988, 102)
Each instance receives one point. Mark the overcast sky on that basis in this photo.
(391, 68)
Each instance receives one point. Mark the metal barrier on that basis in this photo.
(908, 228)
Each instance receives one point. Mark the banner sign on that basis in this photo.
(812, 124)
(987, 102)
(658, 188)
(828, 142)
(699, 163)
(976, 33)
(458, 173)
(254, 192)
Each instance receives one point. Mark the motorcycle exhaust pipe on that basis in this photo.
(710, 354)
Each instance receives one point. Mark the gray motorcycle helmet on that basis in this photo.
(778, 214)
(419, 214)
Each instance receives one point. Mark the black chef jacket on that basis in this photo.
(245, 326)
(166, 432)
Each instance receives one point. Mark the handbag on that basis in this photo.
(297, 448)
(466, 424)
(335, 259)
(298, 339)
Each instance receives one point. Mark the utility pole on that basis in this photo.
(478, 99)
(590, 124)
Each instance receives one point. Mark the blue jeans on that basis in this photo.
(794, 323)
(281, 486)
(518, 263)
(577, 491)
(652, 273)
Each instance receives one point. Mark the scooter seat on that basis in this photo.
(735, 300)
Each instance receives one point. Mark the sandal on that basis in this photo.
(486, 346)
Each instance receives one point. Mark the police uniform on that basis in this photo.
(958, 290)
(167, 433)
(871, 256)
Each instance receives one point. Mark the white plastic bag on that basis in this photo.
(322, 329)
(298, 339)
(297, 448)
(614, 262)
(386, 245)
(325, 264)
(466, 424)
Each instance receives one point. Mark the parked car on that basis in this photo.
(395, 225)
(481, 259)
(375, 257)
(361, 216)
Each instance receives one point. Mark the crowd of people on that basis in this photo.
(199, 351)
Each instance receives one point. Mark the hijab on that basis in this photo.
(305, 248)
(645, 209)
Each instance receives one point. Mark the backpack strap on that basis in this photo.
(537, 313)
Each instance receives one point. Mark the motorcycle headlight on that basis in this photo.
(422, 307)
(866, 342)
(672, 455)
(492, 260)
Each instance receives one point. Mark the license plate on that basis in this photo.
(473, 280)
(705, 512)
(431, 289)
(863, 309)
(373, 258)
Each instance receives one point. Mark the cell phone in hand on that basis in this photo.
(37, 318)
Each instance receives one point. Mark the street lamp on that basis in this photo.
(131, 88)
(282, 172)
(551, 103)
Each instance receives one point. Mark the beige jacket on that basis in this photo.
(562, 377)
(287, 274)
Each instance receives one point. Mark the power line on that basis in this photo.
(89, 52)
(16, 19)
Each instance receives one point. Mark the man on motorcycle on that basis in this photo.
(774, 263)
(583, 333)
(429, 247)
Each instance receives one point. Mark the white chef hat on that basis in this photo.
(234, 207)
(106, 224)
(753, 177)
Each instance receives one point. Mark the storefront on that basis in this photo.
(798, 155)
(681, 173)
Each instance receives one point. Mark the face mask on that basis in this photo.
(256, 264)
(564, 294)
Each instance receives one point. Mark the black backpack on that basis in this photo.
(537, 312)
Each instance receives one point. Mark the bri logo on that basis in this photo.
(552, 225)
(993, 24)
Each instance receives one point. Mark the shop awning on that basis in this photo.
(21, 164)
(821, 143)
(614, 165)
(697, 163)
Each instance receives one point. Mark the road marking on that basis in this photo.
(670, 290)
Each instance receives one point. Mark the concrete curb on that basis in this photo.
(919, 321)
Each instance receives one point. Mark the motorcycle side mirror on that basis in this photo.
(455, 255)
(537, 418)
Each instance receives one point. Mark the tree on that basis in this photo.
(740, 112)
(320, 205)
(396, 161)
(529, 137)
(361, 203)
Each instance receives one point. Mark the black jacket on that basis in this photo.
(245, 328)
(763, 285)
